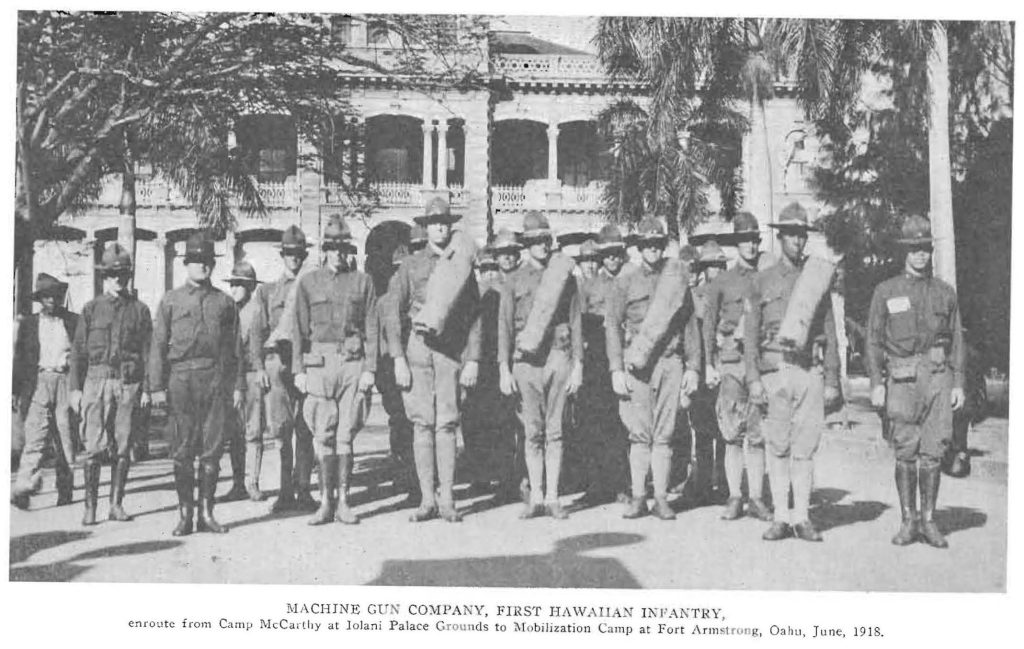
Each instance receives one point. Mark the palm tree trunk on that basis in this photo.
(758, 192)
(939, 168)
(126, 208)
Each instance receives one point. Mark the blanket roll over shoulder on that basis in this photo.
(668, 297)
(545, 303)
(811, 286)
(445, 284)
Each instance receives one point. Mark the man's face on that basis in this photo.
(919, 258)
(293, 261)
(507, 261)
(199, 271)
(712, 272)
(588, 267)
(793, 242)
(489, 275)
(240, 292)
(439, 234)
(334, 255)
(48, 302)
(749, 250)
(651, 252)
(115, 283)
(540, 249)
(613, 262)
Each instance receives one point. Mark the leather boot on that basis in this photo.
(906, 487)
(423, 456)
(445, 450)
(733, 509)
(960, 465)
(92, 487)
(184, 484)
(662, 509)
(929, 483)
(65, 485)
(238, 490)
(329, 468)
(759, 510)
(301, 476)
(254, 463)
(636, 508)
(118, 479)
(343, 513)
(285, 495)
(207, 496)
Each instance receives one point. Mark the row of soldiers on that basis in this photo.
(509, 354)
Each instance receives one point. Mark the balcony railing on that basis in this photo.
(547, 66)
(157, 191)
(588, 198)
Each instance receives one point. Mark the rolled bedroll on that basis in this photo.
(545, 303)
(445, 285)
(811, 287)
(666, 301)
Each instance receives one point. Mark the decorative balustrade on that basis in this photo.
(280, 194)
(508, 197)
(588, 198)
(157, 191)
(547, 66)
(393, 194)
(459, 195)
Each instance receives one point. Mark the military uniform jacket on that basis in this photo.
(723, 317)
(196, 322)
(490, 305)
(763, 310)
(595, 294)
(566, 329)
(250, 351)
(114, 331)
(627, 308)
(269, 300)
(408, 288)
(26, 349)
(909, 316)
(336, 307)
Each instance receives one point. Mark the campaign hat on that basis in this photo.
(437, 211)
(115, 259)
(916, 231)
(48, 285)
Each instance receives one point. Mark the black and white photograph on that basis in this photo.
(511, 301)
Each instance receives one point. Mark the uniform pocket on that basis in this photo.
(98, 340)
(902, 326)
(320, 309)
(183, 327)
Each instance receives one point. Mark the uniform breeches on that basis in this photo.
(543, 398)
(738, 419)
(247, 424)
(334, 407)
(432, 401)
(921, 414)
(49, 401)
(399, 426)
(796, 411)
(108, 408)
(199, 402)
(649, 412)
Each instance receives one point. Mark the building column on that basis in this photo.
(442, 154)
(162, 267)
(553, 153)
(310, 180)
(428, 129)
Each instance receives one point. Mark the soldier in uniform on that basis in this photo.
(545, 380)
(272, 360)
(431, 369)
(110, 350)
(606, 440)
(194, 368)
(738, 421)
(42, 355)
(334, 343)
(650, 397)
(246, 439)
(789, 381)
(915, 354)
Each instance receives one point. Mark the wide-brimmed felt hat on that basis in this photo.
(588, 251)
(293, 241)
(337, 235)
(437, 211)
(793, 217)
(115, 259)
(711, 254)
(609, 239)
(505, 241)
(650, 230)
(574, 238)
(243, 273)
(199, 248)
(916, 231)
(535, 226)
(485, 260)
(48, 286)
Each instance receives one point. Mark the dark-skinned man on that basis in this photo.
(738, 421)
(334, 343)
(194, 369)
(273, 363)
(430, 369)
(111, 349)
(792, 384)
(650, 397)
(916, 355)
(546, 378)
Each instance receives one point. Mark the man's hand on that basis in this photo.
(158, 398)
(263, 379)
(403, 377)
(575, 379)
(366, 381)
(75, 401)
(508, 382)
(300, 382)
(619, 384)
(691, 381)
(711, 377)
(468, 375)
(144, 400)
(878, 397)
(758, 395)
(238, 399)
(956, 396)
(830, 395)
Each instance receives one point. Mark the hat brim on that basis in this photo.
(293, 247)
(235, 279)
(793, 225)
(535, 235)
(641, 239)
(424, 219)
(701, 239)
(103, 269)
(918, 241)
(512, 248)
(734, 238)
(574, 238)
(49, 292)
(192, 259)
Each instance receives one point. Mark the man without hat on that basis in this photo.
(738, 421)
(430, 369)
(649, 397)
(272, 360)
(916, 357)
(42, 354)
(247, 423)
(111, 349)
(545, 380)
(194, 367)
(334, 343)
(792, 384)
